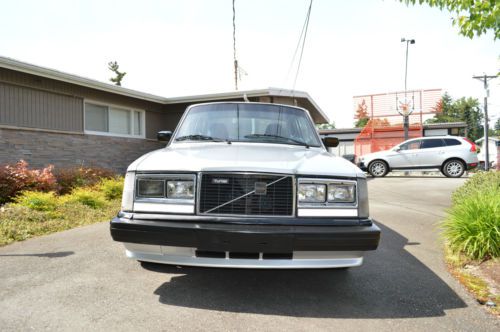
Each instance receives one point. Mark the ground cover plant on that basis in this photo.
(42, 201)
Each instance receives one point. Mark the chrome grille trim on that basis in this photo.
(281, 178)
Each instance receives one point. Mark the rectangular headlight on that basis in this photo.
(180, 189)
(312, 193)
(151, 188)
(341, 192)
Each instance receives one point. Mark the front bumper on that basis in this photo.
(219, 242)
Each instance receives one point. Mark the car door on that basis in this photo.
(402, 155)
(430, 154)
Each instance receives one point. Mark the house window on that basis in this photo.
(115, 121)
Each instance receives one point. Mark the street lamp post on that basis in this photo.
(406, 124)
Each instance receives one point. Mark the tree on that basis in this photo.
(497, 127)
(361, 115)
(461, 110)
(113, 66)
(473, 17)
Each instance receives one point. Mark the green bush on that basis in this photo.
(86, 196)
(111, 188)
(473, 223)
(36, 200)
(479, 183)
(473, 227)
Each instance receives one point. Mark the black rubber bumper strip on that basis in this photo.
(246, 238)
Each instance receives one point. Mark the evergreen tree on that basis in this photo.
(113, 66)
(361, 115)
(462, 110)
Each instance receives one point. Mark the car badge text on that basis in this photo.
(220, 181)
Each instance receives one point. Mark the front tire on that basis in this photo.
(378, 168)
(453, 168)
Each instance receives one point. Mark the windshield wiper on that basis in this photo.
(199, 137)
(278, 137)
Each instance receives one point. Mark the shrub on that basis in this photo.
(473, 223)
(16, 178)
(36, 200)
(112, 188)
(480, 182)
(18, 222)
(71, 178)
(86, 196)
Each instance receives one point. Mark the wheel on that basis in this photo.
(453, 168)
(378, 168)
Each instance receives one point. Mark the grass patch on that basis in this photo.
(18, 222)
(457, 265)
(36, 213)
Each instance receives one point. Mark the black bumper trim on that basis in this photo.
(246, 238)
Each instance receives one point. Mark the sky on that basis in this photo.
(175, 48)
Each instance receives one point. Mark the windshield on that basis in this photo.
(247, 122)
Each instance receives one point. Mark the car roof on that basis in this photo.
(433, 137)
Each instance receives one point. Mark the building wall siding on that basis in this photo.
(68, 90)
(41, 148)
(27, 107)
(156, 122)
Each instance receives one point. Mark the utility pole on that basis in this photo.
(407, 113)
(485, 78)
(234, 49)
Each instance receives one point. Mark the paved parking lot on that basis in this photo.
(80, 279)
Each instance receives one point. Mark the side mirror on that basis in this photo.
(330, 142)
(397, 149)
(164, 136)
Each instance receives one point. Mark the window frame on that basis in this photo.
(130, 110)
(443, 143)
(409, 142)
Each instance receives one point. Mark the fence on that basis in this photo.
(384, 128)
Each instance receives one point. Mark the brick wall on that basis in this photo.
(40, 148)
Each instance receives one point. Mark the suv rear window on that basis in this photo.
(452, 141)
(432, 143)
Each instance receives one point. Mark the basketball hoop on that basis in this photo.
(405, 106)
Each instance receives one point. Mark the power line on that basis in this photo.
(303, 44)
(296, 49)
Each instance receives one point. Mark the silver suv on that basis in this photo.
(452, 155)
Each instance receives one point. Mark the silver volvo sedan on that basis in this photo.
(245, 185)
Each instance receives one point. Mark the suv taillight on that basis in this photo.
(473, 146)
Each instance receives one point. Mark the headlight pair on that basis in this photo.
(332, 192)
(165, 188)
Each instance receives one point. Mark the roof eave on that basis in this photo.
(28, 68)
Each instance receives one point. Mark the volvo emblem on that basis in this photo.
(260, 188)
(220, 181)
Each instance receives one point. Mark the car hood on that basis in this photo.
(245, 157)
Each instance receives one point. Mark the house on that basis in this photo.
(493, 151)
(52, 117)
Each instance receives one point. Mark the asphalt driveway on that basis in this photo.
(80, 279)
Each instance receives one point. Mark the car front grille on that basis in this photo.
(246, 194)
